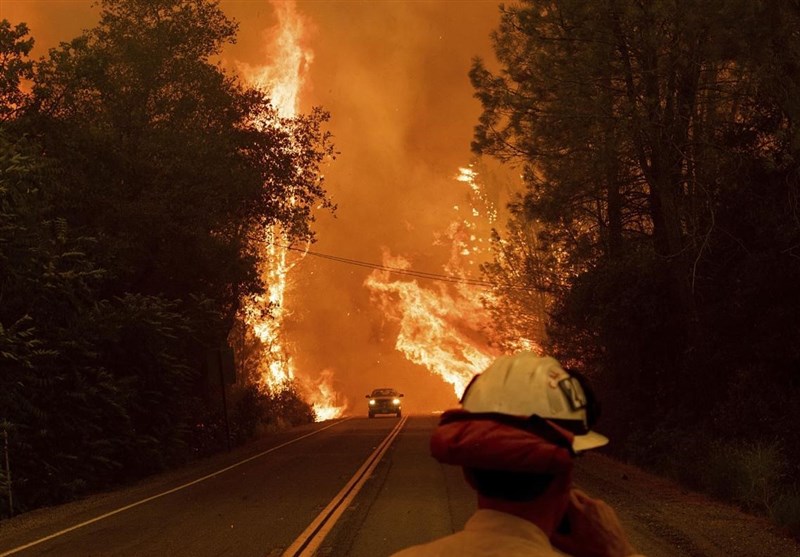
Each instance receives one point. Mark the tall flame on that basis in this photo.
(438, 328)
(283, 82)
(445, 327)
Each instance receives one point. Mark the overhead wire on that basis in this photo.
(470, 281)
(453, 279)
(397, 270)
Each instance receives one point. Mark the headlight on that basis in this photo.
(371, 402)
(396, 401)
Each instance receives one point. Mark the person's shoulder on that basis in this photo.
(414, 551)
(407, 552)
(422, 550)
(442, 547)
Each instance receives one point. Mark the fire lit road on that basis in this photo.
(259, 507)
(270, 499)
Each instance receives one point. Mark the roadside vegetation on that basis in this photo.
(657, 242)
(133, 175)
(658, 239)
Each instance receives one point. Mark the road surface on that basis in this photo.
(353, 488)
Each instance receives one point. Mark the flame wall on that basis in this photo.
(394, 77)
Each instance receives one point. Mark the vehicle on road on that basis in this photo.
(385, 401)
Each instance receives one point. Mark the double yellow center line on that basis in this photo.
(312, 537)
(162, 494)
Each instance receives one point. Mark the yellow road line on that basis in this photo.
(173, 490)
(313, 536)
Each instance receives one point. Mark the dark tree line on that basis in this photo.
(661, 223)
(133, 175)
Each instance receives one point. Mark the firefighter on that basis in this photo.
(520, 425)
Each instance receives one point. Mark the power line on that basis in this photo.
(396, 270)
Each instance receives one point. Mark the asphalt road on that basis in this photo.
(263, 500)
(374, 481)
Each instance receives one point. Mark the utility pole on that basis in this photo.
(8, 470)
(221, 367)
(224, 398)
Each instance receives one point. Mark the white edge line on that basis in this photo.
(173, 490)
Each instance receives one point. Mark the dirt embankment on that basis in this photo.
(665, 520)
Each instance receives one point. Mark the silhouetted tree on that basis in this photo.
(15, 46)
(659, 145)
(132, 178)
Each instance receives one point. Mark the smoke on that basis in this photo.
(393, 75)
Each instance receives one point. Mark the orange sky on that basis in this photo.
(393, 75)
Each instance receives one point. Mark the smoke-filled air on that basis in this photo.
(408, 194)
(222, 219)
(394, 78)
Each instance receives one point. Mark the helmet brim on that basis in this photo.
(587, 441)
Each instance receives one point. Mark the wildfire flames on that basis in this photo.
(283, 82)
(445, 327)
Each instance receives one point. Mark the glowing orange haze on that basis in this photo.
(283, 81)
(394, 77)
(443, 328)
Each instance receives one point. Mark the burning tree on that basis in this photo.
(142, 170)
(263, 316)
(452, 328)
(659, 143)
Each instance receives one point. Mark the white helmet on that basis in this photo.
(526, 384)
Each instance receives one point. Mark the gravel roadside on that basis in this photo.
(664, 519)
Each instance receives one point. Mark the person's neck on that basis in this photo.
(539, 514)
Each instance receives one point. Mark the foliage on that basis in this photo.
(253, 411)
(250, 412)
(786, 511)
(181, 159)
(131, 179)
(522, 271)
(289, 408)
(258, 408)
(107, 407)
(14, 67)
(659, 145)
(750, 474)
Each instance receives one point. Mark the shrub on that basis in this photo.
(249, 412)
(750, 474)
(786, 511)
(668, 451)
(288, 408)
